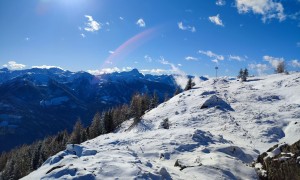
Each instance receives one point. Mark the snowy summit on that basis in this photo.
(214, 131)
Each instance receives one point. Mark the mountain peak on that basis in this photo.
(134, 71)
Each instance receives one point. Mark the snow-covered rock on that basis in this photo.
(209, 143)
(215, 101)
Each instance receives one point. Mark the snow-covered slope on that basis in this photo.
(219, 140)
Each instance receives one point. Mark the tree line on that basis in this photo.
(20, 161)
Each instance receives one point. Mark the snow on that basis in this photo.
(54, 101)
(209, 143)
(274, 152)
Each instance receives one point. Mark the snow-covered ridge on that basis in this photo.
(202, 142)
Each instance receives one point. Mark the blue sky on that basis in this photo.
(155, 36)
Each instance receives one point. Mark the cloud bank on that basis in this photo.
(268, 9)
(13, 65)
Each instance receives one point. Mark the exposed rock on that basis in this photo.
(180, 164)
(280, 162)
(215, 101)
(56, 167)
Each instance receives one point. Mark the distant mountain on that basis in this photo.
(39, 102)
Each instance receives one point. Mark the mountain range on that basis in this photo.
(35, 103)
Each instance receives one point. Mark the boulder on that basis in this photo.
(215, 101)
(280, 162)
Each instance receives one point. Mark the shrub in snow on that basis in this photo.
(165, 124)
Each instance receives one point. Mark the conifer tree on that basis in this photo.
(189, 84)
(108, 121)
(280, 67)
(75, 137)
(36, 152)
(134, 107)
(154, 101)
(241, 73)
(246, 73)
(95, 127)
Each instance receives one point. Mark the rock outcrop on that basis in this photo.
(280, 162)
(215, 101)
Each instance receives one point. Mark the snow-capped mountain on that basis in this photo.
(214, 131)
(52, 99)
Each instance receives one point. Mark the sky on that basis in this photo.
(155, 36)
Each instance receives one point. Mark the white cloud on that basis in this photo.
(197, 80)
(155, 71)
(298, 44)
(267, 8)
(274, 61)
(148, 58)
(260, 68)
(46, 67)
(216, 20)
(236, 58)
(186, 28)
(220, 2)
(179, 65)
(27, 38)
(121, 18)
(111, 52)
(92, 25)
(180, 77)
(82, 35)
(215, 61)
(295, 63)
(127, 68)
(14, 66)
(108, 70)
(190, 58)
(216, 57)
(140, 22)
(295, 16)
(104, 71)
